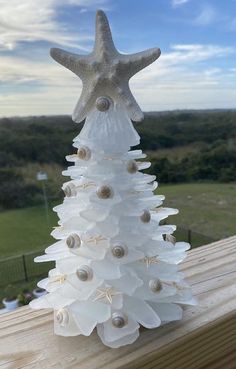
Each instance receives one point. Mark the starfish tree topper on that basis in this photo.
(105, 72)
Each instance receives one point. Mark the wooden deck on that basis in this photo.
(205, 338)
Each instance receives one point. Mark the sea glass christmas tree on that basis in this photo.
(116, 266)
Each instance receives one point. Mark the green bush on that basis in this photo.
(14, 193)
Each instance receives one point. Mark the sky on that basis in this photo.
(197, 68)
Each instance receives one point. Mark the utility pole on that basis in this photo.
(42, 176)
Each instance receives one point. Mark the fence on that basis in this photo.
(23, 268)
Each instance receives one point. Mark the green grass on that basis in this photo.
(206, 208)
(25, 230)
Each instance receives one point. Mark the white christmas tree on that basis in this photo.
(116, 266)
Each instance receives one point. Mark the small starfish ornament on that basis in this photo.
(148, 260)
(105, 72)
(96, 239)
(106, 293)
(60, 279)
(84, 186)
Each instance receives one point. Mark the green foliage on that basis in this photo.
(10, 292)
(14, 192)
(217, 163)
(37, 139)
(29, 144)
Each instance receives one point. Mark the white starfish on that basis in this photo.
(148, 260)
(106, 293)
(96, 239)
(60, 279)
(105, 72)
(84, 186)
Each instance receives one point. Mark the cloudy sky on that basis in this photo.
(197, 68)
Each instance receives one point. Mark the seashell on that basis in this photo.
(118, 251)
(103, 103)
(73, 241)
(62, 317)
(84, 153)
(70, 190)
(155, 285)
(132, 166)
(146, 216)
(119, 320)
(170, 238)
(84, 273)
(104, 192)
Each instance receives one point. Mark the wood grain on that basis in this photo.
(204, 339)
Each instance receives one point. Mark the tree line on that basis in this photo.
(48, 139)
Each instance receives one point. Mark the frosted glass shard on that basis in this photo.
(142, 312)
(167, 312)
(127, 283)
(112, 333)
(106, 130)
(70, 329)
(123, 341)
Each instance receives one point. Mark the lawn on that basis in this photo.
(25, 230)
(205, 208)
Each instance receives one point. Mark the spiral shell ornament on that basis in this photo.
(84, 153)
(70, 190)
(84, 273)
(155, 285)
(105, 192)
(103, 103)
(62, 317)
(132, 166)
(73, 241)
(170, 238)
(119, 320)
(119, 251)
(146, 216)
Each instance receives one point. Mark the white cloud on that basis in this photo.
(181, 78)
(33, 20)
(179, 2)
(207, 16)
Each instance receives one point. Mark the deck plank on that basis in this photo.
(204, 339)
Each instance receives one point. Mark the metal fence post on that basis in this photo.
(24, 267)
(189, 236)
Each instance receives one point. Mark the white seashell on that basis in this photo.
(146, 216)
(155, 285)
(132, 166)
(62, 317)
(70, 190)
(119, 251)
(170, 238)
(84, 273)
(73, 241)
(103, 103)
(84, 153)
(104, 192)
(119, 320)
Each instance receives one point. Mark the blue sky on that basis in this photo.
(197, 68)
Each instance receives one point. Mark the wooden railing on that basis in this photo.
(204, 339)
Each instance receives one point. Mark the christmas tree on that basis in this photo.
(115, 264)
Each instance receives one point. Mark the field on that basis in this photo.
(25, 230)
(205, 208)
